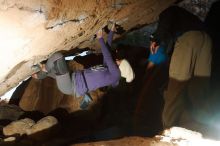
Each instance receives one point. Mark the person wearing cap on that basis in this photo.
(81, 82)
(183, 36)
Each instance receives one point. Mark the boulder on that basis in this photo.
(18, 127)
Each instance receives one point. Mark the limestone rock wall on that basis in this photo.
(31, 30)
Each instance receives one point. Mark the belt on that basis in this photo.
(87, 89)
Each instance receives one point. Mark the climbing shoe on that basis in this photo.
(87, 99)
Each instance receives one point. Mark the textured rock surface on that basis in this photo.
(31, 30)
(28, 126)
(10, 112)
(9, 139)
(197, 7)
(18, 127)
(42, 124)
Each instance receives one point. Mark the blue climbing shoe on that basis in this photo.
(85, 102)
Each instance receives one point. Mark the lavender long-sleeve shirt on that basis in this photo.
(100, 77)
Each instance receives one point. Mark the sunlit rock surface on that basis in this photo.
(18, 127)
(31, 30)
(175, 136)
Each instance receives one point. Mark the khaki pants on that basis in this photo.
(191, 58)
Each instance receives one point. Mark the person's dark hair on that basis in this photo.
(120, 52)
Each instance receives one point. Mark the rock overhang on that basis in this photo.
(32, 30)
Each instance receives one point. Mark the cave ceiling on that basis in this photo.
(32, 30)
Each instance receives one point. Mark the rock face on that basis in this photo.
(18, 127)
(10, 112)
(44, 123)
(31, 30)
(40, 129)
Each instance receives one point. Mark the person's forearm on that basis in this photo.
(150, 65)
(107, 57)
(106, 53)
(110, 38)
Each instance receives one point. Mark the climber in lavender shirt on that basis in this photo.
(82, 81)
(96, 77)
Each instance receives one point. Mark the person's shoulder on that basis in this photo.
(126, 62)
